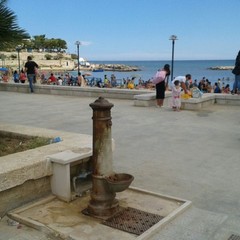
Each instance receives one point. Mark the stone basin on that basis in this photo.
(119, 182)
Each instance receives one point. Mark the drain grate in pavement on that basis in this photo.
(234, 237)
(133, 220)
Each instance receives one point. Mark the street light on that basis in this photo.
(78, 43)
(18, 49)
(173, 38)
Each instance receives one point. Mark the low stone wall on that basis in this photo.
(115, 93)
(227, 99)
(142, 98)
(25, 176)
(24, 193)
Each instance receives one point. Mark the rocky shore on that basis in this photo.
(65, 63)
(114, 67)
(221, 68)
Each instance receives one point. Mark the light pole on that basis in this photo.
(78, 43)
(18, 49)
(173, 38)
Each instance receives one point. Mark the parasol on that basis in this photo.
(3, 69)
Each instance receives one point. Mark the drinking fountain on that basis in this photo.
(105, 182)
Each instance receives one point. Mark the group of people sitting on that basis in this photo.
(205, 86)
(68, 80)
(17, 77)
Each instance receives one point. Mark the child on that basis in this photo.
(176, 96)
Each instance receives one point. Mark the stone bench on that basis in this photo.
(227, 99)
(149, 99)
(61, 178)
(198, 103)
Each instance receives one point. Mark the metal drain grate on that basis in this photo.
(133, 221)
(234, 237)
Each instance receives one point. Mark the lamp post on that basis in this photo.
(173, 38)
(78, 43)
(18, 49)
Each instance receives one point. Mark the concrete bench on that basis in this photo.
(149, 99)
(61, 163)
(198, 103)
(227, 99)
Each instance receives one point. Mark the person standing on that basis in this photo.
(79, 79)
(176, 96)
(30, 68)
(161, 86)
(236, 72)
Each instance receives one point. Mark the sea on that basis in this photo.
(197, 68)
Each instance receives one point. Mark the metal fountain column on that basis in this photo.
(103, 200)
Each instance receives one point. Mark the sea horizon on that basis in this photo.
(197, 68)
(145, 60)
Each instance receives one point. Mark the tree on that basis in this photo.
(39, 42)
(61, 44)
(10, 33)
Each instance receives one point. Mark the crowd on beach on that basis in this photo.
(84, 79)
(67, 79)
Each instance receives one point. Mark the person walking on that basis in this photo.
(162, 75)
(236, 72)
(30, 69)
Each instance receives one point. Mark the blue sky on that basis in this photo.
(136, 29)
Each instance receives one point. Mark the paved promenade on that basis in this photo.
(188, 154)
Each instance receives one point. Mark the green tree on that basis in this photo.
(10, 33)
(60, 44)
(50, 45)
(39, 41)
(28, 44)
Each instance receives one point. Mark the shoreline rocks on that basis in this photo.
(221, 68)
(114, 67)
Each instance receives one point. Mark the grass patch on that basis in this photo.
(13, 143)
